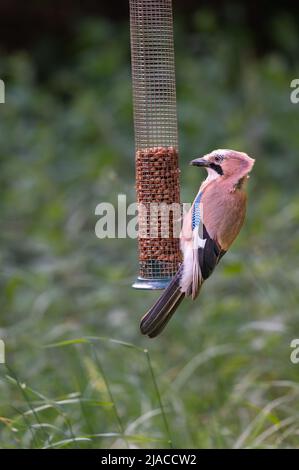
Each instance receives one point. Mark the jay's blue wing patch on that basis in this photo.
(196, 215)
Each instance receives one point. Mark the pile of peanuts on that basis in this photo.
(157, 175)
(157, 181)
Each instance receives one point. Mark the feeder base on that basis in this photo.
(151, 284)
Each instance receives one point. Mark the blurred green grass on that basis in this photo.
(222, 368)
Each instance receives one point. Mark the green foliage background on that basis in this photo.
(223, 367)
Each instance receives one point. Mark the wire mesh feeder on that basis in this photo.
(156, 139)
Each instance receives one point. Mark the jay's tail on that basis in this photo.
(155, 320)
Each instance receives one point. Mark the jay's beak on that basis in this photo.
(200, 162)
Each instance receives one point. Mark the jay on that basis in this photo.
(208, 230)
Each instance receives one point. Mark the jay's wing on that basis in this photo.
(209, 255)
(201, 251)
(206, 255)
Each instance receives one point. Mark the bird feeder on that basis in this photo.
(156, 137)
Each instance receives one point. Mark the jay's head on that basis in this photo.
(225, 163)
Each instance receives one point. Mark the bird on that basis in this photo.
(209, 228)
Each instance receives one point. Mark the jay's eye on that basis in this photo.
(218, 159)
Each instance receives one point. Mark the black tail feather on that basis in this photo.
(155, 320)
